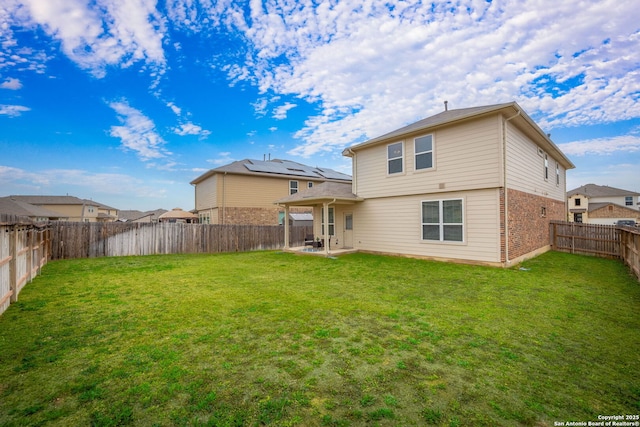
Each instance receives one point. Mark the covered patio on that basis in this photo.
(333, 209)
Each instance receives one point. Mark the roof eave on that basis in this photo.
(394, 134)
(320, 199)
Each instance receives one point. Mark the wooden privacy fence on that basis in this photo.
(24, 249)
(607, 241)
(94, 239)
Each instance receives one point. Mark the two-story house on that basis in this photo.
(70, 208)
(11, 206)
(476, 185)
(601, 204)
(243, 192)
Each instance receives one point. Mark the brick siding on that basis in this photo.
(254, 216)
(614, 211)
(529, 217)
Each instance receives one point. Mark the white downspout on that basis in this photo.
(506, 193)
(224, 180)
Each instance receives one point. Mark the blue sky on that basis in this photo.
(127, 102)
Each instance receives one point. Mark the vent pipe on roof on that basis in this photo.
(446, 105)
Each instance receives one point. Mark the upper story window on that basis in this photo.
(309, 184)
(424, 152)
(293, 187)
(395, 158)
(628, 200)
(557, 173)
(546, 166)
(577, 201)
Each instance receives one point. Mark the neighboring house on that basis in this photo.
(105, 213)
(477, 185)
(178, 215)
(139, 216)
(601, 204)
(243, 192)
(69, 208)
(11, 206)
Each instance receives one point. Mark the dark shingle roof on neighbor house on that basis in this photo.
(59, 200)
(49, 200)
(277, 167)
(593, 190)
(132, 215)
(9, 205)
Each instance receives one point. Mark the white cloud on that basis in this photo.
(618, 175)
(260, 107)
(602, 146)
(137, 133)
(223, 159)
(176, 110)
(47, 180)
(376, 66)
(99, 34)
(191, 129)
(12, 110)
(11, 84)
(280, 112)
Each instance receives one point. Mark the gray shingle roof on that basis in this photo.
(132, 215)
(16, 207)
(438, 119)
(593, 190)
(50, 200)
(327, 190)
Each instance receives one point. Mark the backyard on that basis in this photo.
(267, 338)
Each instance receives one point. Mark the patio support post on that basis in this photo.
(286, 227)
(325, 206)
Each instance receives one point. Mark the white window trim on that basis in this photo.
(402, 172)
(432, 151)
(442, 224)
(297, 188)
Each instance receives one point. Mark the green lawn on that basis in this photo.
(267, 338)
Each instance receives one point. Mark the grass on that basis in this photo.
(267, 338)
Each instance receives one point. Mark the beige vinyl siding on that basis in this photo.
(74, 212)
(525, 167)
(618, 200)
(393, 225)
(206, 193)
(466, 156)
(244, 191)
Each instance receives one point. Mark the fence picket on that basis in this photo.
(607, 241)
(88, 240)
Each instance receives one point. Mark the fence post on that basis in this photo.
(13, 264)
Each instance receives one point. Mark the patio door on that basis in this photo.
(347, 235)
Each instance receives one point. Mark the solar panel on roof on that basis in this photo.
(276, 168)
(292, 168)
(331, 174)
